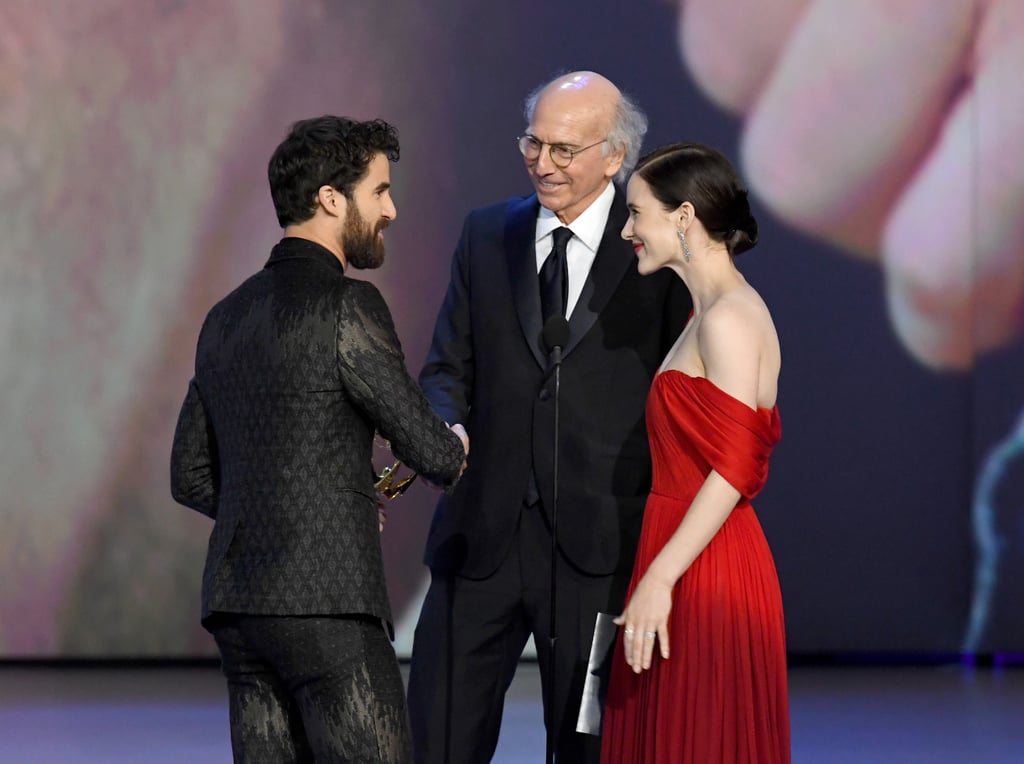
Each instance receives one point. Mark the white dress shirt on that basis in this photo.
(587, 231)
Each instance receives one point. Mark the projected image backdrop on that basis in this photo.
(880, 144)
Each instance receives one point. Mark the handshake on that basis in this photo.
(390, 486)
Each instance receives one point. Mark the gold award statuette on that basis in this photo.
(388, 484)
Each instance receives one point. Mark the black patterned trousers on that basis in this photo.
(312, 689)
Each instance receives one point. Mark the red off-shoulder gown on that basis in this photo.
(721, 697)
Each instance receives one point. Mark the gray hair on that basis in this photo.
(629, 126)
(627, 133)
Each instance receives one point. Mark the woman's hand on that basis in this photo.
(646, 620)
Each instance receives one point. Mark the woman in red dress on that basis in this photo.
(699, 673)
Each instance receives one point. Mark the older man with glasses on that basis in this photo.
(556, 252)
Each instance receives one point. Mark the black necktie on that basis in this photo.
(554, 277)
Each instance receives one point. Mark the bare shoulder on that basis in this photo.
(739, 316)
(739, 346)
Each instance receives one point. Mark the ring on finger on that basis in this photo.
(628, 631)
(650, 634)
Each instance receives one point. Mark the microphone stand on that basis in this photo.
(552, 638)
(556, 335)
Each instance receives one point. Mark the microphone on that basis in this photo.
(555, 337)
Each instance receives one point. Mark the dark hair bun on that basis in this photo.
(742, 232)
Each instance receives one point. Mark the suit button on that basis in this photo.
(544, 394)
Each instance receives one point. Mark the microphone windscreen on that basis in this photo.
(556, 332)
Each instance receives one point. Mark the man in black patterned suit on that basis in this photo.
(294, 372)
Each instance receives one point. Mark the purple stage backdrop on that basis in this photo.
(881, 141)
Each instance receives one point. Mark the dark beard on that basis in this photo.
(359, 241)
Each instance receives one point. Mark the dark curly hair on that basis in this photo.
(327, 150)
(694, 173)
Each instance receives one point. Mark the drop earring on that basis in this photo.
(686, 249)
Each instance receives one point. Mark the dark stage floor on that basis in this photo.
(898, 715)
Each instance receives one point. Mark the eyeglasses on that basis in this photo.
(561, 156)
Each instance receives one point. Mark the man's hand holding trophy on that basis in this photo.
(390, 486)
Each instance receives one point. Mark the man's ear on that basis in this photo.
(613, 162)
(332, 200)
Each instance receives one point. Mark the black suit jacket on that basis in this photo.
(485, 369)
(295, 370)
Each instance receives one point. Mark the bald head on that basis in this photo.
(587, 91)
(589, 99)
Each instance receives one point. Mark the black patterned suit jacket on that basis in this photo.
(486, 370)
(294, 372)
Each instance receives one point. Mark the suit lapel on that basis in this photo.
(521, 256)
(613, 258)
